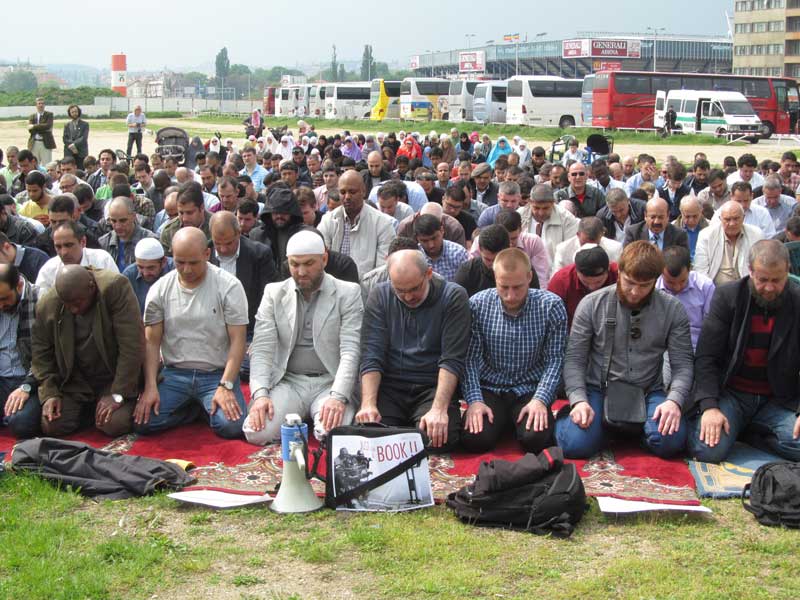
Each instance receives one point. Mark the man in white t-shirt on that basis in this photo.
(196, 320)
(69, 239)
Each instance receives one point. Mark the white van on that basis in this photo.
(489, 103)
(347, 100)
(460, 99)
(706, 111)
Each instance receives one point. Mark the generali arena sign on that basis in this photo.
(588, 48)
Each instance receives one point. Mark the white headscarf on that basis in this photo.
(214, 145)
(285, 150)
(272, 145)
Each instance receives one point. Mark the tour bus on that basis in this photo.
(293, 101)
(459, 100)
(586, 100)
(384, 100)
(626, 99)
(544, 100)
(316, 101)
(489, 104)
(703, 111)
(347, 100)
(420, 96)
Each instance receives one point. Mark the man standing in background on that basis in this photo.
(41, 141)
(136, 122)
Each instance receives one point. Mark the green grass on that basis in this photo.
(55, 544)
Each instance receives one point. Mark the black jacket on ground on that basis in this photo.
(723, 340)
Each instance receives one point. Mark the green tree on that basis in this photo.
(367, 64)
(238, 69)
(222, 63)
(335, 66)
(342, 74)
(194, 78)
(19, 81)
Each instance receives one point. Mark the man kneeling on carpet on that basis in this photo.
(196, 320)
(618, 339)
(87, 352)
(415, 338)
(306, 346)
(514, 361)
(747, 362)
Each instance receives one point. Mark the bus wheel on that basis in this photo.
(767, 129)
(566, 122)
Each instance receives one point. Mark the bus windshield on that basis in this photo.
(737, 107)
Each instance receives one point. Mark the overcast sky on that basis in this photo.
(158, 33)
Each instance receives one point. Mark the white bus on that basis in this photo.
(489, 105)
(293, 101)
(421, 96)
(544, 100)
(459, 100)
(316, 101)
(347, 100)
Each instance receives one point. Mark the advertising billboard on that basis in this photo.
(600, 48)
(472, 62)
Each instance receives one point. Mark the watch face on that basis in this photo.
(25, 388)
(117, 398)
(227, 385)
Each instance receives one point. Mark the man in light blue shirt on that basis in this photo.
(779, 206)
(252, 169)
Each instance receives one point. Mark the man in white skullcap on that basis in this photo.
(150, 266)
(306, 348)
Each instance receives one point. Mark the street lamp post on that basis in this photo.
(469, 37)
(655, 31)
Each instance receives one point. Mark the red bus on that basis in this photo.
(269, 100)
(626, 99)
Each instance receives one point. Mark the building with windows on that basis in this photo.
(766, 37)
(587, 52)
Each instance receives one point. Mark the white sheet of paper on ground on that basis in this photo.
(219, 498)
(615, 505)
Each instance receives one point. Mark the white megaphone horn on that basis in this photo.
(295, 494)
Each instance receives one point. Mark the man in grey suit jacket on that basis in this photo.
(656, 227)
(306, 349)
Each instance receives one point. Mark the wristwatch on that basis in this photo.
(228, 385)
(25, 387)
(117, 398)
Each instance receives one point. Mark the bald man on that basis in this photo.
(87, 347)
(376, 173)
(121, 242)
(656, 227)
(356, 229)
(196, 322)
(414, 344)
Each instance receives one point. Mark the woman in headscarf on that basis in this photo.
(524, 153)
(190, 156)
(304, 144)
(410, 148)
(272, 144)
(388, 158)
(448, 150)
(286, 146)
(255, 126)
(464, 144)
(370, 145)
(501, 148)
(350, 149)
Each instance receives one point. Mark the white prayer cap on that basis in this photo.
(305, 242)
(149, 249)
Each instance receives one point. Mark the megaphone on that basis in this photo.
(295, 494)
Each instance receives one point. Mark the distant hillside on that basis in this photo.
(53, 96)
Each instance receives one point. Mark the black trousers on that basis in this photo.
(135, 137)
(403, 405)
(506, 407)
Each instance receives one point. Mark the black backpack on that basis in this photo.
(538, 493)
(775, 494)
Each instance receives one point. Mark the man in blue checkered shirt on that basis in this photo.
(444, 257)
(519, 337)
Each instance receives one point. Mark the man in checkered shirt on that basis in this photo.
(519, 337)
(444, 257)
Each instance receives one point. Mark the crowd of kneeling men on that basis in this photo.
(383, 309)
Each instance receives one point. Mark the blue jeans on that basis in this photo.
(764, 424)
(244, 370)
(184, 393)
(24, 423)
(584, 443)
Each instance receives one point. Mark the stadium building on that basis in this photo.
(586, 53)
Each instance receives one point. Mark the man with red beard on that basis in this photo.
(615, 353)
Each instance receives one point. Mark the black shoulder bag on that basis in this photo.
(624, 407)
